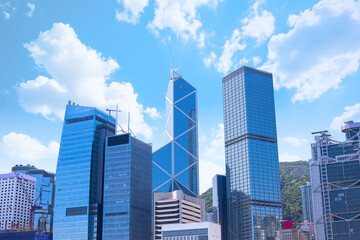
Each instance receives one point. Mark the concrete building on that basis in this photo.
(306, 202)
(44, 196)
(335, 184)
(176, 207)
(251, 155)
(192, 231)
(127, 189)
(291, 234)
(17, 194)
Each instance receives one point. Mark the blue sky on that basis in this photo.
(103, 53)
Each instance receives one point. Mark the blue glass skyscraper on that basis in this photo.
(220, 204)
(127, 189)
(79, 173)
(175, 165)
(251, 155)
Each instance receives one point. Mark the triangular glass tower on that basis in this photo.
(175, 165)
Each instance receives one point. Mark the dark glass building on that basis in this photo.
(335, 184)
(175, 165)
(79, 173)
(251, 155)
(44, 196)
(127, 189)
(220, 204)
(306, 202)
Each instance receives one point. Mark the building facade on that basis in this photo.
(306, 202)
(335, 183)
(127, 189)
(192, 231)
(176, 207)
(79, 173)
(251, 155)
(175, 165)
(220, 204)
(17, 194)
(44, 196)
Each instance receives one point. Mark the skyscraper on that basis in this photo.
(306, 203)
(127, 189)
(251, 155)
(335, 184)
(44, 196)
(79, 173)
(220, 204)
(175, 165)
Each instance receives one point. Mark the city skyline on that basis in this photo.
(129, 51)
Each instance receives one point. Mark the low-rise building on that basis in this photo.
(192, 231)
(176, 207)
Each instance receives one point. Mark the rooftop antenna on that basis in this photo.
(170, 57)
(116, 119)
(129, 129)
(180, 55)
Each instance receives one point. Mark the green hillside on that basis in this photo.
(291, 178)
(208, 200)
(290, 182)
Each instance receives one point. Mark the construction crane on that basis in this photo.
(32, 204)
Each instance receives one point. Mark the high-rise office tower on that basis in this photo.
(127, 189)
(251, 155)
(176, 207)
(79, 173)
(306, 203)
(17, 193)
(44, 196)
(220, 204)
(335, 184)
(175, 165)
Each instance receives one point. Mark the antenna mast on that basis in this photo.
(116, 118)
(180, 55)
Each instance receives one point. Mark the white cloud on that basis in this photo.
(224, 63)
(243, 61)
(231, 46)
(212, 158)
(132, 9)
(210, 60)
(22, 148)
(31, 7)
(351, 113)
(79, 73)
(6, 15)
(181, 17)
(286, 157)
(320, 50)
(258, 25)
(295, 141)
(153, 113)
(256, 60)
